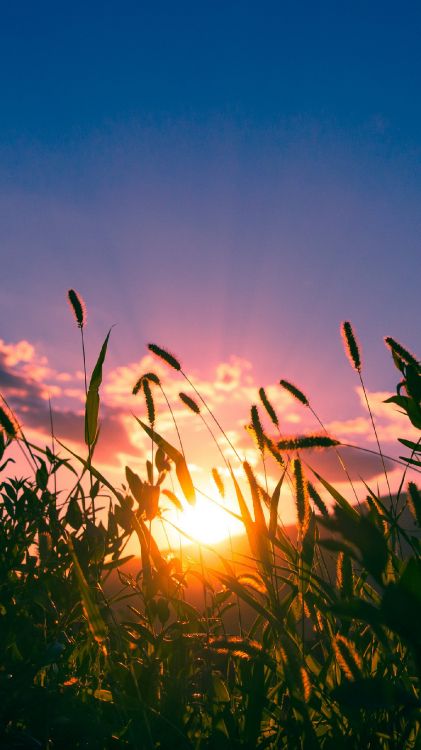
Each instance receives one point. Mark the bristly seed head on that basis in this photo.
(351, 346)
(347, 657)
(147, 376)
(268, 406)
(302, 442)
(149, 402)
(414, 501)
(274, 451)
(294, 391)
(152, 377)
(402, 353)
(166, 356)
(218, 481)
(78, 307)
(8, 424)
(301, 497)
(137, 386)
(317, 500)
(189, 403)
(257, 428)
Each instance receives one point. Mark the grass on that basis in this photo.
(313, 642)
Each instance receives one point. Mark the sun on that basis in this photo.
(206, 522)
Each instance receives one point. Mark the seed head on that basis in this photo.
(189, 402)
(302, 442)
(301, 497)
(166, 356)
(268, 406)
(78, 307)
(294, 391)
(257, 427)
(8, 423)
(218, 481)
(402, 353)
(351, 346)
(149, 401)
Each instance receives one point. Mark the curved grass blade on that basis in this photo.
(181, 468)
(92, 398)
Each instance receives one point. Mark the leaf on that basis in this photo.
(181, 468)
(41, 475)
(274, 502)
(344, 504)
(401, 604)
(363, 534)
(92, 399)
(416, 447)
(219, 690)
(150, 500)
(237, 588)
(93, 615)
(92, 470)
(74, 514)
(135, 484)
(410, 407)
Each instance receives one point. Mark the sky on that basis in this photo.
(230, 180)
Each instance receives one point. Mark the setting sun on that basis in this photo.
(206, 522)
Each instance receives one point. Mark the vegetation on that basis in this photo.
(326, 651)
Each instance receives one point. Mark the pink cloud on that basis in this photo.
(230, 390)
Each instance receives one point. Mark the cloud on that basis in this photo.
(28, 381)
(390, 421)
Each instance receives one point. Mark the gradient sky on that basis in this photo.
(225, 178)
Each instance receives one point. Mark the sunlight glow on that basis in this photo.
(206, 522)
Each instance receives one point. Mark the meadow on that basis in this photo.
(313, 641)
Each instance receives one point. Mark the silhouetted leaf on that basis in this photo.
(92, 399)
(181, 469)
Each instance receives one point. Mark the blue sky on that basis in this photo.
(222, 178)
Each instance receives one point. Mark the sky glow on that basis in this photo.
(226, 181)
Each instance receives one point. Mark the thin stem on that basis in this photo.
(212, 415)
(340, 459)
(87, 424)
(377, 440)
(53, 447)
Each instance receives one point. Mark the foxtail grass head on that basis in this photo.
(317, 500)
(351, 346)
(218, 481)
(189, 402)
(257, 428)
(147, 376)
(8, 423)
(301, 497)
(78, 307)
(306, 442)
(294, 391)
(150, 406)
(165, 356)
(268, 406)
(401, 353)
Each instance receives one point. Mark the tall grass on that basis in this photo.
(312, 642)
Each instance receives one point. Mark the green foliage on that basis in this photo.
(325, 650)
